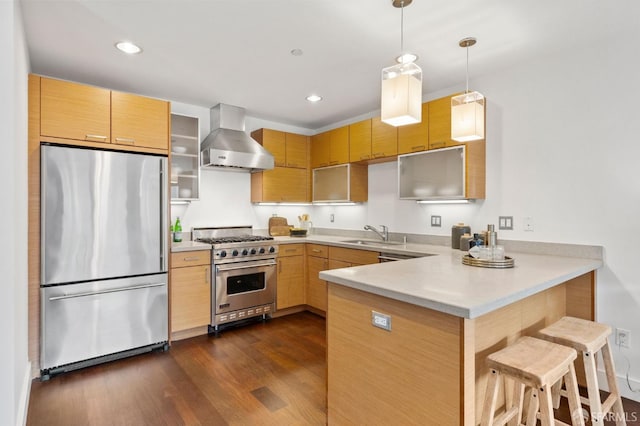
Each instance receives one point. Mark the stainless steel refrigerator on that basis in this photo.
(104, 255)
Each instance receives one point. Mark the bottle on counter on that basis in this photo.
(492, 236)
(177, 231)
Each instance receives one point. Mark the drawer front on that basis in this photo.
(290, 250)
(190, 258)
(355, 256)
(317, 250)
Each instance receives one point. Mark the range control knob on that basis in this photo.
(245, 252)
(253, 251)
(272, 249)
(223, 253)
(234, 253)
(261, 250)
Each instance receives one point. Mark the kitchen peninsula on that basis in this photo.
(444, 318)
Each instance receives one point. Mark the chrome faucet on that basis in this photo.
(384, 234)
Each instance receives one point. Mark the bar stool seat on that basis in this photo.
(534, 365)
(589, 338)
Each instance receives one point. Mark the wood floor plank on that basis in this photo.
(200, 381)
(271, 373)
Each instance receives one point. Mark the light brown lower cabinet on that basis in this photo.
(190, 290)
(290, 287)
(317, 260)
(322, 258)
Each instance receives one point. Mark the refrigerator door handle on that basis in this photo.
(164, 240)
(113, 290)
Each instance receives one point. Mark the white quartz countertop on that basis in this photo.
(443, 283)
(189, 246)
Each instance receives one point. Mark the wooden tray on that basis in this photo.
(508, 262)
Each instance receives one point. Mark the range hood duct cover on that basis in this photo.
(229, 147)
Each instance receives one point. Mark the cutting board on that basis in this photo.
(278, 226)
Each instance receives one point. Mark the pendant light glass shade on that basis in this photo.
(467, 117)
(401, 94)
(467, 110)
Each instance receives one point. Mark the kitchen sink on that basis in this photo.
(372, 242)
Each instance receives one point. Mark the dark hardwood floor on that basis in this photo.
(271, 373)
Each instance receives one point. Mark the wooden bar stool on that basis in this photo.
(534, 365)
(588, 338)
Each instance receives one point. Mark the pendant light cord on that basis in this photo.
(467, 89)
(402, 27)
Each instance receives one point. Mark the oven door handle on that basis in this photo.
(231, 267)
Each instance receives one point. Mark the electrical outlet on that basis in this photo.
(528, 224)
(332, 218)
(436, 221)
(622, 337)
(381, 320)
(505, 223)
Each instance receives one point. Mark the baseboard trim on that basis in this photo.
(25, 393)
(623, 387)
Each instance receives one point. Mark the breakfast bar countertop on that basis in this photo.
(442, 283)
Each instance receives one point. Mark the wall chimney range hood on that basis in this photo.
(228, 147)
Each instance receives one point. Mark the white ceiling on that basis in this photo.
(238, 51)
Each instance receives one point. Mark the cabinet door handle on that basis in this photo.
(206, 275)
(378, 154)
(279, 265)
(104, 138)
(292, 164)
(191, 258)
(316, 250)
(290, 250)
(364, 157)
(126, 140)
(333, 162)
(417, 148)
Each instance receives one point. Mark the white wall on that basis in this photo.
(561, 148)
(14, 363)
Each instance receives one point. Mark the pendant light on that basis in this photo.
(401, 97)
(467, 110)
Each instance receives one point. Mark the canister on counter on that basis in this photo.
(466, 242)
(456, 232)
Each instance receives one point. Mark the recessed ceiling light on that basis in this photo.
(314, 98)
(297, 52)
(128, 47)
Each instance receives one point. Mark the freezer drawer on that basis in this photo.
(88, 320)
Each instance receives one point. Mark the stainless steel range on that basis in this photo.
(243, 273)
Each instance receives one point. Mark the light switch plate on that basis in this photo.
(505, 223)
(436, 221)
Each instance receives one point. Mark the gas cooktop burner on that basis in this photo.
(235, 239)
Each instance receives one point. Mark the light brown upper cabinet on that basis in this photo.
(78, 112)
(330, 148)
(320, 147)
(288, 181)
(360, 141)
(288, 149)
(75, 111)
(139, 121)
(280, 184)
(384, 139)
(339, 146)
(297, 147)
(415, 137)
(440, 123)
